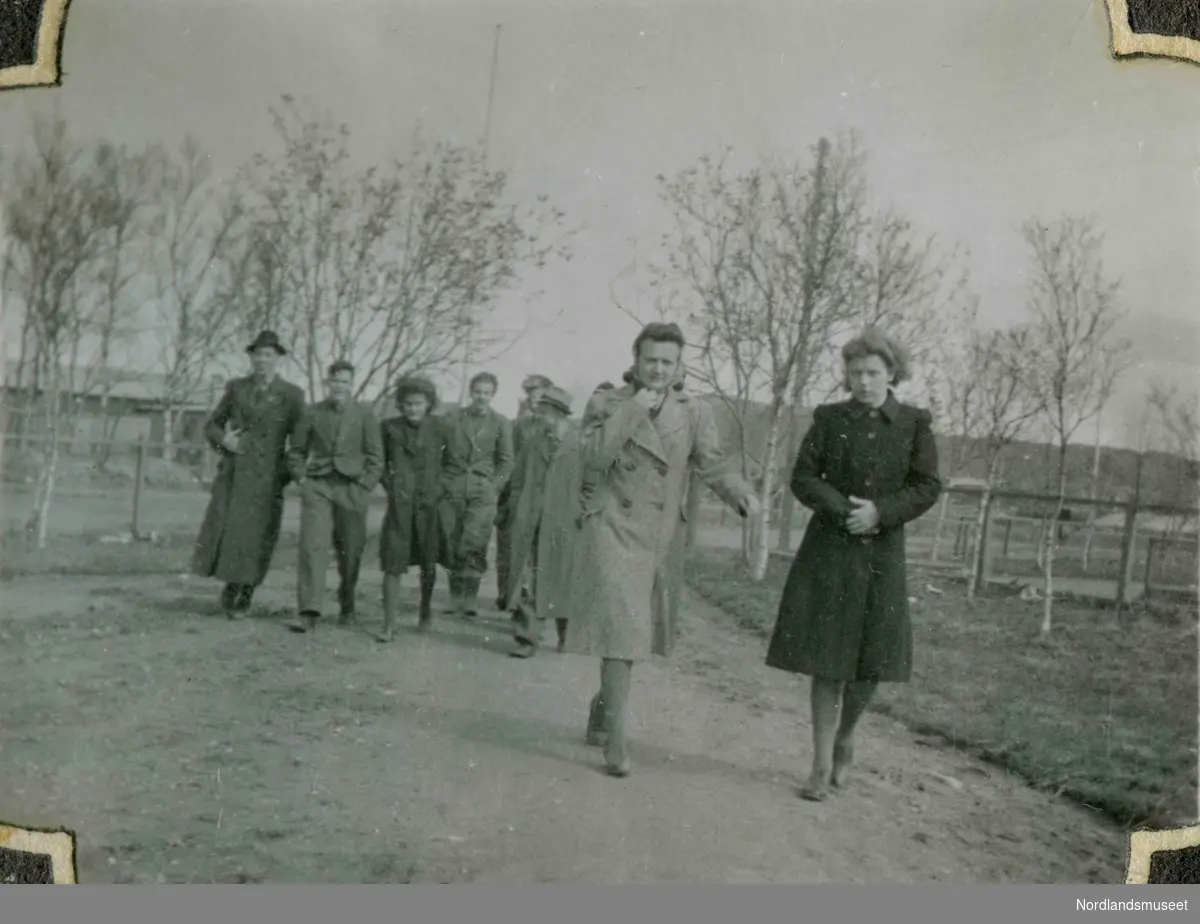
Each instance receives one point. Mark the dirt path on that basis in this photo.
(184, 748)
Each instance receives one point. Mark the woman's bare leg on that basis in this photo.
(826, 705)
(855, 699)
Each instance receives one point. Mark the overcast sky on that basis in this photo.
(976, 115)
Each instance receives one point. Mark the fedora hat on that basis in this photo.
(555, 397)
(268, 338)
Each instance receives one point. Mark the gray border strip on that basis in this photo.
(531, 904)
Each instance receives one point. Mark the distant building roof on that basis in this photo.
(118, 383)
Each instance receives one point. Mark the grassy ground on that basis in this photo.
(1104, 715)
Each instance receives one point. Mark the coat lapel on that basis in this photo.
(646, 435)
(672, 419)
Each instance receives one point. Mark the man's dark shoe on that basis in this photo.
(306, 622)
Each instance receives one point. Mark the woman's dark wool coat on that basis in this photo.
(844, 612)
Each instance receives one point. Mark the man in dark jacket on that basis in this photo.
(337, 460)
(250, 428)
(478, 462)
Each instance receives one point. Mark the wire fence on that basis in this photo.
(146, 487)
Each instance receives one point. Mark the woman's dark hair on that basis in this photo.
(874, 342)
(409, 385)
(483, 377)
(658, 332)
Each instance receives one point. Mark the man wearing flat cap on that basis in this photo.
(250, 428)
(543, 510)
(524, 426)
(337, 460)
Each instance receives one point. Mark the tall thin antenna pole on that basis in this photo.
(487, 125)
(487, 136)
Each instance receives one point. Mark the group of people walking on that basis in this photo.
(588, 516)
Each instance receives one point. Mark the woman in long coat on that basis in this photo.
(639, 443)
(413, 446)
(250, 428)
(866, 467)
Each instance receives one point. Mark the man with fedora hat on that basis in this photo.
(250, 428)
(543, 511)
(524, 426)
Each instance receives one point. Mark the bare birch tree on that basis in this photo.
(1074, 356)
(195, 225)
(392, 267)
(125, 188)
(766, 260)
(54, 235)
(998, 409)
(1175, 422)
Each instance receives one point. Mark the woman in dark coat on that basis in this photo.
(866, 467)
(413, 446)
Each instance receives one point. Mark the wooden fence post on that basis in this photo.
(1151, 545)
(1008, 526)
(982, 559)
(139, 474)
(1128, 540)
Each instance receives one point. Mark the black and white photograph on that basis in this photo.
(613, 442)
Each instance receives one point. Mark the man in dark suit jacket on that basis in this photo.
(251, 429)
(337, 460)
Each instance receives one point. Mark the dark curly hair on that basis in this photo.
(412, 384)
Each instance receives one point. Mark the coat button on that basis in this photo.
(627, 503)
(870, 436)
(658, 505)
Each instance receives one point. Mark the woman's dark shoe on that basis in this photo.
(620, 770)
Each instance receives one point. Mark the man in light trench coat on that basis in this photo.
(639, 444)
